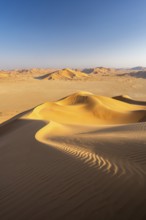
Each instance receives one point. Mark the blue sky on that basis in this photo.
(72, 33)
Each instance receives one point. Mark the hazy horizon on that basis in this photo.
(72, 34)
(68, 67)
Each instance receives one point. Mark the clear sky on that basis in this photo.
(72, 33)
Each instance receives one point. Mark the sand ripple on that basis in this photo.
(52, 166)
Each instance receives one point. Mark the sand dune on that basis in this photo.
(129, 100)
(139, 68)
(65, 74)
(139, 74)
(23, 74)
(70, 74)
(86, 108)
(81, 157)
(135, 74)
(96, 73)
(100, 70)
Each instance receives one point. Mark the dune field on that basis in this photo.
(73, 148)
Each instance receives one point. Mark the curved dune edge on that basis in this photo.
(84, 113)
(64, 74)
(72, 141)
(128, 99)
(84, 108)
(77, 167)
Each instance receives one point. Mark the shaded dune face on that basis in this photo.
(127, 99)
(88, 109)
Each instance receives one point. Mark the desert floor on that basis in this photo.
(19, 95)
(58, 162)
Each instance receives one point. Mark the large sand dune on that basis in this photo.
(64, 74)
(82, 157)
(86, 108)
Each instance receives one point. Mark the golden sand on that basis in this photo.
(80, 157)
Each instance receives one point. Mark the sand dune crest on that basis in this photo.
(86, 108)
(65, 74)
(66, 160)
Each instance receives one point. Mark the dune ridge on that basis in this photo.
(24, 74)
(74, 159)
(101, 70)
(86, 108)
(65, 74)
(129, 100)
(82, 112)
(54, 135)
(90, 74)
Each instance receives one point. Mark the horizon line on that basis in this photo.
(67, 67)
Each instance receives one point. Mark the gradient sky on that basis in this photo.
(72, 33)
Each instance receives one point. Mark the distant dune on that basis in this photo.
(100, 70)
(71, 74)
(129, 100)
(135, 74)
(139, 68)
(139, 74)
(23, 73)
(65, 74)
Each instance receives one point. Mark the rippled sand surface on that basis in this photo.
(82, 157)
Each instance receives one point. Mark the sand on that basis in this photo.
(76, 150)
(18, 94)
(64, 74)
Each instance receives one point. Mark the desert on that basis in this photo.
(72, 110)
(73, 146)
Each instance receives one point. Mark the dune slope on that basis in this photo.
(86, 108)
(82, 157)
(65, 74)
(129, 100)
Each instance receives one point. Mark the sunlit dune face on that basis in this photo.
(81, 113)
(86, 108)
